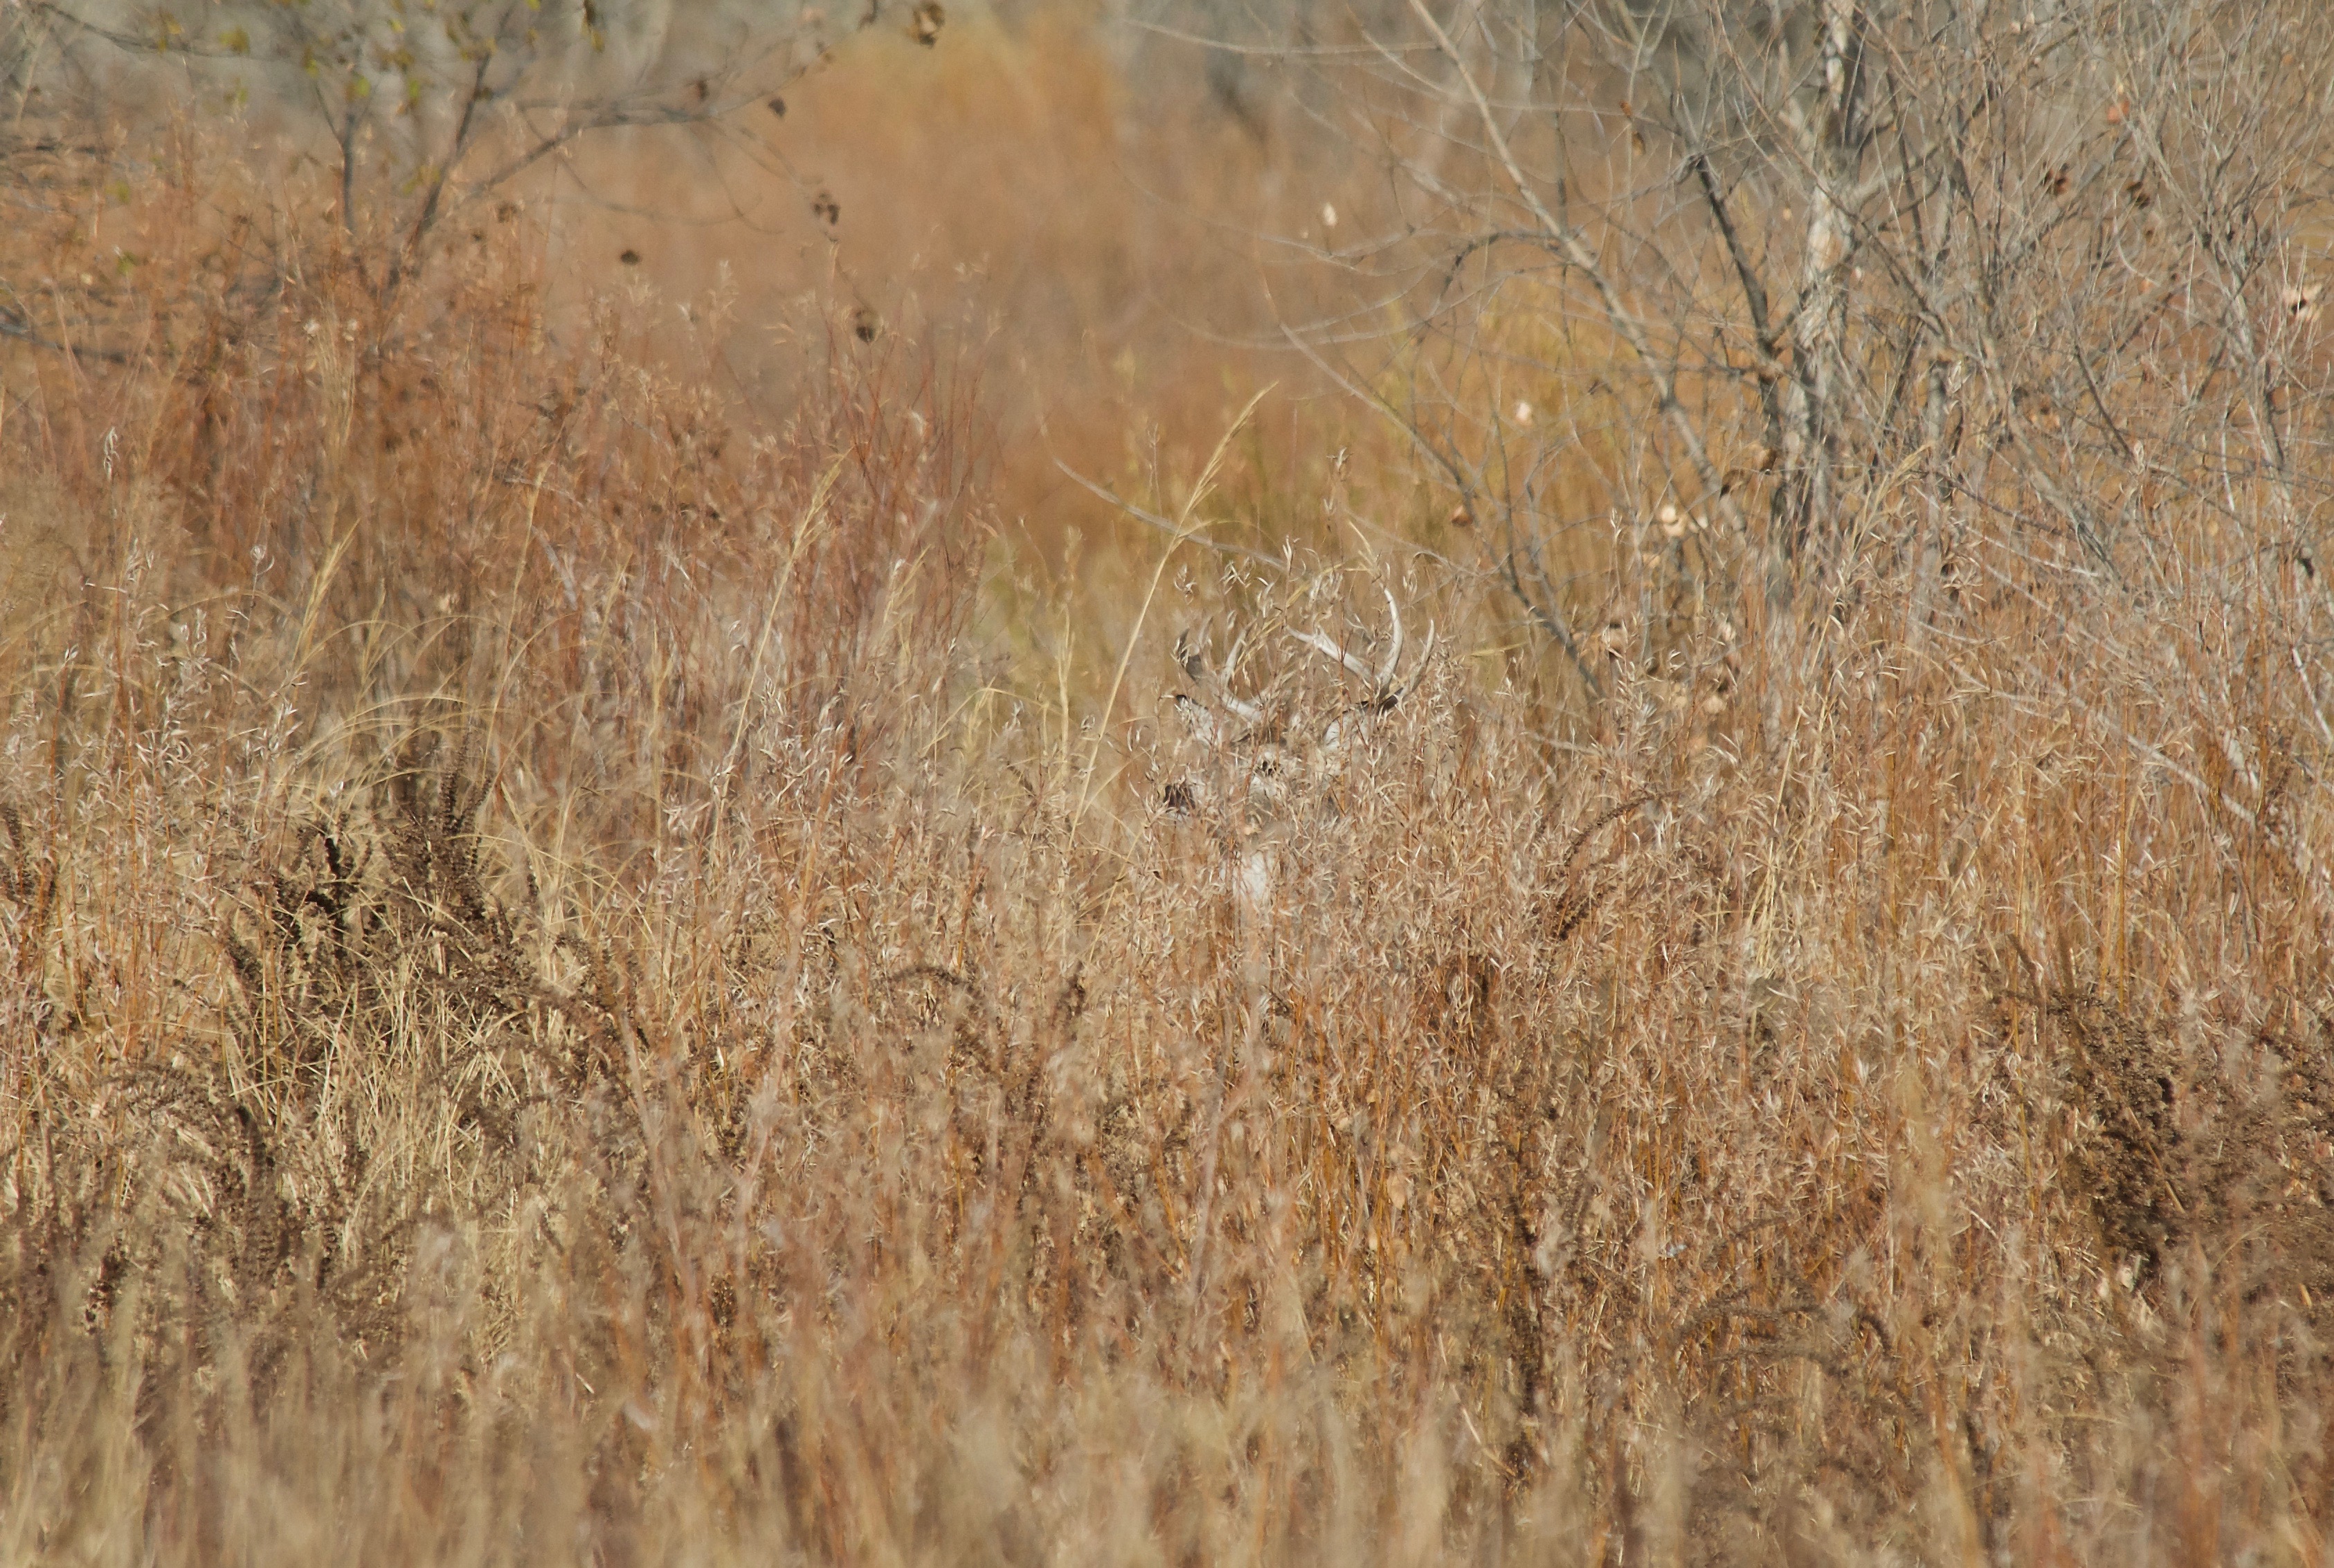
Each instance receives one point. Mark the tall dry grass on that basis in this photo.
(572, 995)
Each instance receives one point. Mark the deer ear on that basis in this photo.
(1188, 658)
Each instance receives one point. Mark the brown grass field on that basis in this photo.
(600, 964)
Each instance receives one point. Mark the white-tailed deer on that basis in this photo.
(1262, 759)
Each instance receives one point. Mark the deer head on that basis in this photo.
(1256, 738)
(1263, 755)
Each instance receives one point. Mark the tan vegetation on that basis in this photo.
(590, 973)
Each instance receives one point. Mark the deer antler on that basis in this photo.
(1394, 653)
(1191, 655)
(1383, 691)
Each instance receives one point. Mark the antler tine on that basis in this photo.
(1205, 728)
(1418, 670)
(1384, 682)
(1330, 649)
(1245, 712)
(1191, 655)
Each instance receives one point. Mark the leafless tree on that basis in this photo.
(1765, 293)
(429, 105)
